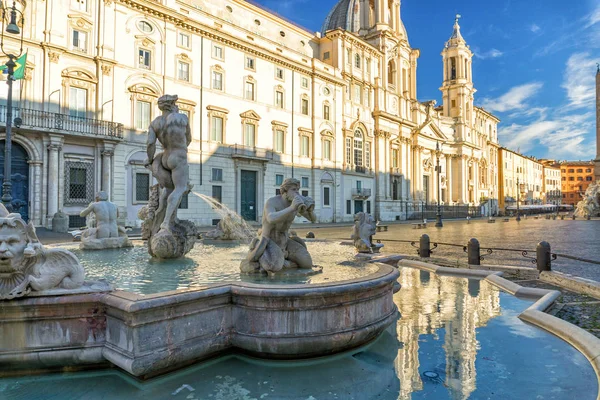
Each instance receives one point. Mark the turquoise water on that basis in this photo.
(134, 270)
(456, 339)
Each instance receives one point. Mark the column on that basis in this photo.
(53, 176)
(35, 173)
(463, 179)
(107, 176)
(449, 180)
(364, 15)
(381, 7)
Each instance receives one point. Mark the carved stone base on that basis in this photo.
(105, 243)
(173, 243)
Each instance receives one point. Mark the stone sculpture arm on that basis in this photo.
(274, 216)
(87, 210)
(151, 145)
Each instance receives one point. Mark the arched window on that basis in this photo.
(358, 148)
(391, 72)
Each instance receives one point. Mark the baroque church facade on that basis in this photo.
(266, 100)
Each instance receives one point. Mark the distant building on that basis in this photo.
(575, 176)
(521, 179)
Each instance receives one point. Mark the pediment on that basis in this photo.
(250, 114)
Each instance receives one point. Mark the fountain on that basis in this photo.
(589, 206)
(231, 226)
(362, 234)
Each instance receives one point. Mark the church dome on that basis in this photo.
(345, 14)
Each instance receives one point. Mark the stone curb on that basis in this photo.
(586, 343)
(574, 283)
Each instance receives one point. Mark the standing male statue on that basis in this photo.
(170, 168)
(275, 249)
(168, 236)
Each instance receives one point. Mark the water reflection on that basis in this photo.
(436, 306)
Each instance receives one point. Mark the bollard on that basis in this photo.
(473, 252)
(424, 246)
(542, 252)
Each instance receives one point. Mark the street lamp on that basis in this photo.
(518, 190)
(13, 29)
(438, 214)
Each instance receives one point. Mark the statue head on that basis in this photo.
(289, 188)
(167, 102)
(18, 241)
(101, 196)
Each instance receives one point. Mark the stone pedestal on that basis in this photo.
(60, 222)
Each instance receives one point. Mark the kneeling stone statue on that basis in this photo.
(103, 232)
(362, 233)
(275, 249)
(26, 266)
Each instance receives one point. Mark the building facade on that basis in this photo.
(266, 100)
(523, 180)
(576, 176)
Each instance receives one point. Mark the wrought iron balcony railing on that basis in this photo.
(60, 122)
(361, 192)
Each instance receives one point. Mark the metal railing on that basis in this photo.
(61, 122)
(361, 192)
(240, 151)
(422, 210)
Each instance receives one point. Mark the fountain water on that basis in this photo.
(231, 225)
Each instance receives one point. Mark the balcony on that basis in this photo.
(251, 153)
(361, 193)
(395, 171)
(37, 119)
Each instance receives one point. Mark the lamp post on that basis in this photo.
(12, 28)
(518, 190)
(438, 214)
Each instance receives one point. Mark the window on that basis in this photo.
(348, 56)
(77, 102)
(279, 137)
(249, 91)
(279, 99)
(142, 187)
(278, 180)
(142, 115)
(368, 206)
(145, 59)
(304, 193)
(588, 170)
(368, 64)
(358, 149)
(250, 63)
(579, 178)
(453, 103)
(571, 171)
(326, 112)
(79, 182)
(279, 73)
(580, 170)
(357, 94)
(357, 61)
(571, 178)
(327, 149)
(216, 129)
(304, 146)
(217, 175)
(326, 197)
(395, 158)
(348, 207)
(144, 26)
(348, 150)
(588, 178)
(304, 106)
(326, 55)
(80, 41)
(217, 52)
(304, 82)
(183, 71)
(564, 178)
(304, 181)
(183, 40)
(80, 5)
(217, 193)
(217, 80)
(249, 135)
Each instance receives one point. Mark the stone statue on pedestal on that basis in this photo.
(362, 233)
(25, 265)
(168, 237)
(589, 206)
(102, 232)
(275, 249)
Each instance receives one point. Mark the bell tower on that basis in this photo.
(457, 87)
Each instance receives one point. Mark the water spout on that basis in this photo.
(231, 225)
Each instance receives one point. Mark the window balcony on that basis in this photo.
(251, 153)
(361, 193)
(61, 123)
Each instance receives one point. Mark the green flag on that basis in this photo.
(19, 71)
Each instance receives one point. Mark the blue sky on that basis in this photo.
(534, 65)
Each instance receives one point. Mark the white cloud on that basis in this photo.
(493, 53)
(593, 18)
(579, 80)
(534, 28)
(514, 99)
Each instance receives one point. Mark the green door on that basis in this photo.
(248, 191)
